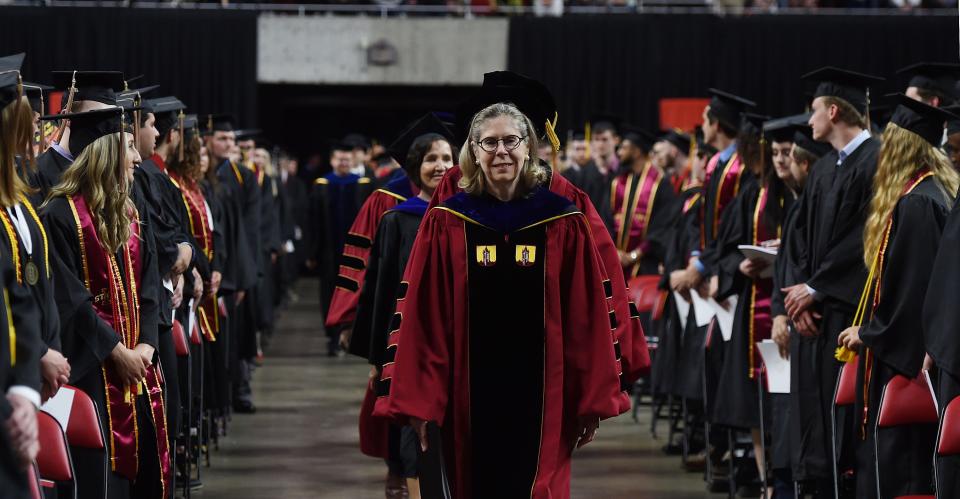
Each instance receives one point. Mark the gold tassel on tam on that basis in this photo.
(71, 92)
(586, 137)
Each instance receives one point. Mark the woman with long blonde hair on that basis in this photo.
(913, 190)
(107, 285)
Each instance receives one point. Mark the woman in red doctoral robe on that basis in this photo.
(503, 334)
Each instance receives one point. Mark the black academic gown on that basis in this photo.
(689, 369)
(19, 365)
(737, 403)
(50, 167)
(597, 187)
(896, 342)
(88, 340)
(334, 203)
(296, 204)
(830, 220)
(666, 363)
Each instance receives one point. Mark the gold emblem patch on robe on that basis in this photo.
(486, 255)
(526, 255)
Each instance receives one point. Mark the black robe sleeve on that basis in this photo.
(941, 315)
(735, 229)
(789, 262)
(666, 211)
(26, 322)
(894, 332)
(87, 340)
(149, 287)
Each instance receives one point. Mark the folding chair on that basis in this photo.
(948, 435)
(34, 478)
(184, 373)
(904, 402)
(87, 444)
(53, 461)
(844, 395)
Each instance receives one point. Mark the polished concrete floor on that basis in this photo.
(303, 443)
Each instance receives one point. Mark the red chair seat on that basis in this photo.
(53, 460)
(195, 335)
(847, 384)
(644, 293)
(921, 496)
(32, 476)
(179, 340)
(906, 402)
(949, 440)
(83, 428)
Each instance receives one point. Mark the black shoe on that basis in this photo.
(244, 407)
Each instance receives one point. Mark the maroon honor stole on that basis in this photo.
(117, 301)
(632, 198)
(201, 227)
(727, 190)
(760, 321)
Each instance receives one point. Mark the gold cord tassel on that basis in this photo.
(586, 137)
(70, 95)
(552, 133)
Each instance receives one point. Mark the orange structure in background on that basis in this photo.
(683, 113)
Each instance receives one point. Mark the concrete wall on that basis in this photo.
(333, 50)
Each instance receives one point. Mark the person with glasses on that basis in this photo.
(504, 331)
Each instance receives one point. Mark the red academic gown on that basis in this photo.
(505, 373)
(629, 331)
(356, 253)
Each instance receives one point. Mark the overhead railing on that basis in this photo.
(389, 8)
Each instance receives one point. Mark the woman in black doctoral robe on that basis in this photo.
(429, 155)
(912, 193)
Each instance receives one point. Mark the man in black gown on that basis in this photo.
(829, 221)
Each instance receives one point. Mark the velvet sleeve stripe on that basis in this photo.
(358, 241)
(395, 321)
(608, 288)
(634, 311)
(347, 284)
(353, 262)
(613, 319)
(382, 387)
(391, 355)
(402, 290)
(616, 349)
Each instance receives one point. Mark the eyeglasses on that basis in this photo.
(510, 142)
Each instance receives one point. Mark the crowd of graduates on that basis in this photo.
(146, 254)
(147, 251)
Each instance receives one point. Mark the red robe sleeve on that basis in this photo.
(592, 365)
(446, 188)
(432, 296)
(353, 263)
(629, 331)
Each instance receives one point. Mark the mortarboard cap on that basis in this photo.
(530, 96)
(922, 119)
(782, 129)
(850, 86)
(728, 108)
(677, 138)
(752, 123)
(638, 137)
(248, 133)
(35, 93)
(10, 80)
(803, 138)
(426, 124)
(600, 121)
(99, 86)
(358, 141)
(937, 77)
(210, 123)
(166, 112)
(89, 126)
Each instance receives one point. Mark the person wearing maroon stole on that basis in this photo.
(470, 337)
(107, 284)
(755, 218)
(643, 206)
(913, 189)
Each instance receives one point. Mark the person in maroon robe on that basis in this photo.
(507, 311)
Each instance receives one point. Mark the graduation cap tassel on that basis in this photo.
(136, 117)
(43, 128)
(552, 132)
(70, 94)
(867, 114)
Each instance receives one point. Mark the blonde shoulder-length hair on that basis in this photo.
(16, 138)
(532, 174)
(98, 174)
(902, 154)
